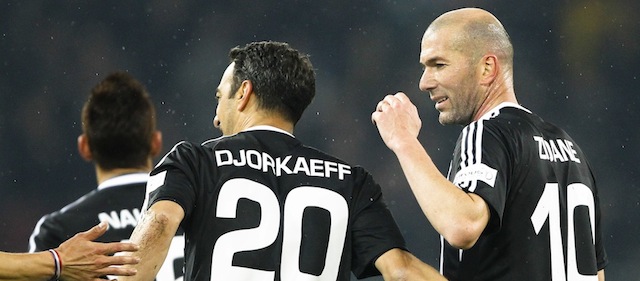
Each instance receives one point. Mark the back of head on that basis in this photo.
(119, 121)
(477, 32)
(283, 78)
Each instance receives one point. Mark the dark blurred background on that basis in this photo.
(576, 64)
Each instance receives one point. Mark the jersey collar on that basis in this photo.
(268, 128)
(124, 179)
(496, 110)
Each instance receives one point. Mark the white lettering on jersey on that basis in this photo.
(274, 220)
(124, 218)
(476, 172)
(559, 150)
(264, 162)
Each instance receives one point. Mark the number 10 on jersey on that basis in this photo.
(548, 209)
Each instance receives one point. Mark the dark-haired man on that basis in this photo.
(256, 203)
(120, 138)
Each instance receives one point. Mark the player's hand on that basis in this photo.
(397, 120)
(83, 259)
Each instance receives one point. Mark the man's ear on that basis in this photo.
(156, 143)
(490, 69)
(244, 94)
(83, 148)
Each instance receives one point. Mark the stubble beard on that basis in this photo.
(456, 116)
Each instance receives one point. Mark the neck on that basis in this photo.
(103, 175)
(497, 93)
(266, 120)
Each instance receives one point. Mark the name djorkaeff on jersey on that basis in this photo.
(282, 165)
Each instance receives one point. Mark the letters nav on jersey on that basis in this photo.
(121, 219)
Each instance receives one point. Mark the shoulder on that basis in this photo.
(83, 202)
(60, 224)
(514, 121)
(321, 154)
(507, 121)
(354, 174)
(99, 199)
(183, 151)
(357, 170)
(507, 114)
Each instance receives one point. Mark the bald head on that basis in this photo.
(468, 65)
(476, 33)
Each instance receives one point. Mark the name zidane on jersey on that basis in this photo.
(278, 166)
(560, 150)
(563, 152)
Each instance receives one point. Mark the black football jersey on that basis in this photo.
(545, 213)
(260, 205)
(118, 201)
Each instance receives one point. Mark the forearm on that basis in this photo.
(422, 271)
(400, 265)
(153, 234)
(35, 266)
(459, 216)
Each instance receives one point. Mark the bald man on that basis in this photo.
(520, 200)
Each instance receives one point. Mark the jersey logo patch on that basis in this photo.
(476, 172)
(153, 183)
(156, 181)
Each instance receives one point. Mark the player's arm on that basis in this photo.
(397, 264)
(81, 259)
(458, 216)
(37, 239)
(78, 258)
(153, 234)
(35, 266)
(601, 275)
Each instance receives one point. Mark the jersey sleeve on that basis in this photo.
(45, 235)
(174, 178)
(483, 163)
(374, 229)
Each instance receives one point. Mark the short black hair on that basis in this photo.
(119, 121)
(283, 78)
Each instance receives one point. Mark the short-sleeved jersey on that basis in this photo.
(260, 205)
(545, 214)
(117, 201)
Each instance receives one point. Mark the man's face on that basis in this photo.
(449, 76)
(226, 117)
